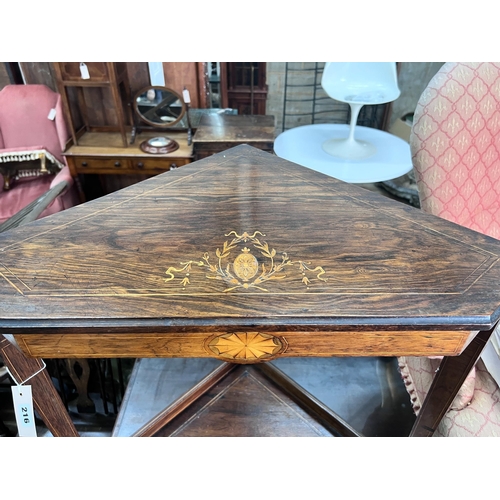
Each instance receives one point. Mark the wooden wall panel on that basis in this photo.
(138, 75)
(183, 74)
(100, 107)
(203, 86)
(39, 72)
(5, 77)
(43, 73)
(177, 76)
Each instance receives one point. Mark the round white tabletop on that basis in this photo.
(303, 145)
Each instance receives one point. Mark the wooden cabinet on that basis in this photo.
(217, 133)
(103, 94)
(102, 154)
(124, 165)
(246, 87)
(99, 72)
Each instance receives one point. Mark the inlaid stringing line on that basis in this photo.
(115, 205)
(389, 212)
(10, 283)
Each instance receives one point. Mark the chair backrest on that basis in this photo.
(25, 122)
(361, 83)
(455, 146)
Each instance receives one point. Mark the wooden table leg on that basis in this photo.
(46, 400)
(450, 376)
(74, 173)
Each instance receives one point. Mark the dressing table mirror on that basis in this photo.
(158, 108)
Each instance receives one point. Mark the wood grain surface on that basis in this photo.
(109, 145)
(46, 399)
(244, 241)
(248, 403)
(235, 129)
(295, 344)
(246, 257)
(217, 133)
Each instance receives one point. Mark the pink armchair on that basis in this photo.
(33, 136)
(36, 181)
(455, 144)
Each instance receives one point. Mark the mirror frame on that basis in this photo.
(154, 124)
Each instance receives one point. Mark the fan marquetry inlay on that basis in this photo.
(245, 347)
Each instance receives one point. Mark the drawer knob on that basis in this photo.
(117, 164)
(140, 165)
(84, 163)
(173, 166)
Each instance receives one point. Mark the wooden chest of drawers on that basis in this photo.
(103, 154)
(217, 133)
(124, 165)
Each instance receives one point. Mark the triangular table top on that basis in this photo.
(242, 238)
(245, 257)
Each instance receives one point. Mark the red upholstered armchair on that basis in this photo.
(455, 144)
(33, 136)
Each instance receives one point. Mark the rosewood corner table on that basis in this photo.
(246, 257)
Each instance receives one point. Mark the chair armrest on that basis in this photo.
(32, 211)
(63, 175)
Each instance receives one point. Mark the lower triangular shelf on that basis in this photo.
(246, 401)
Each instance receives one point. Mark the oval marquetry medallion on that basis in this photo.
(245, 265)
(245, 347)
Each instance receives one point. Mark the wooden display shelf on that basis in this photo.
(106, 75)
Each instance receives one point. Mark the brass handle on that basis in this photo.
(117, 164)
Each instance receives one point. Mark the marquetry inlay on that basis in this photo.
(237, 266)
(245, 347)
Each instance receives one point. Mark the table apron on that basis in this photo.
(246, 346)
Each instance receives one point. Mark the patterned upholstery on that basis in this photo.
(418, 373)
(480, 418)
(455, 145)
